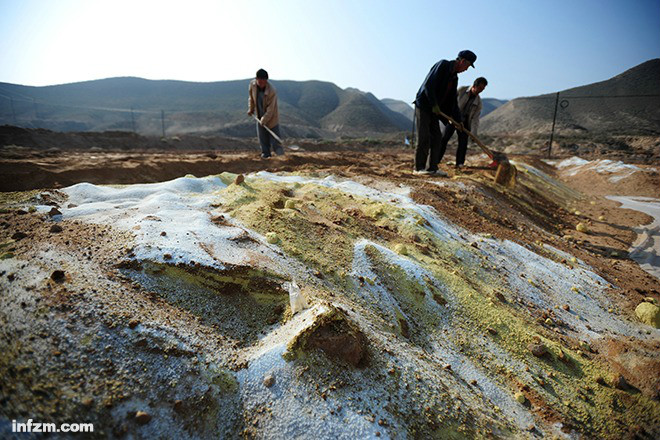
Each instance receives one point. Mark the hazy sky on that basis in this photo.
(524, 47)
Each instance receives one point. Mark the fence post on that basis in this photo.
(554, 119)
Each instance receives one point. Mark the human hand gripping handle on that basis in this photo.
(459, 126)
(268, 129)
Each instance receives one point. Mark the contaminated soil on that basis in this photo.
(86, 331)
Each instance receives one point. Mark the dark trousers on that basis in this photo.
(428, 141)
(267, 141)
(461, 151)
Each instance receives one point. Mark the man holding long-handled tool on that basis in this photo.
(469, 104)
(263, 101)
(437, 93)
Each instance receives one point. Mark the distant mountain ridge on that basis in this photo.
(308, 109)
(491, 104)
(628, 103)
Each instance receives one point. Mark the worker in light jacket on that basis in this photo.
(263, 100)
(469, 106)
(437, 93)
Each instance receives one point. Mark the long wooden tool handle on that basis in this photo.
(277, 138)
(474, 138)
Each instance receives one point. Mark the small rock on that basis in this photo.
(56, 228)
(18, 235)
(133, 323)
(290, 204)
(142, 417)
(648, 313)
(178, 405)
(600, 380)
(401, 249)
(269, 381)
(520, 398)
(88, 402)
(239, 179)
(619, 382)
(53, 212)
(566, 307)
(491, 330)
(57, 276)
(537, 349)
(272, 238)
(562, 356)
(581, 227)
(167, 256)
(163, 234)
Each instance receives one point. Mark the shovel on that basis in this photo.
(506, 172)
(277, 138)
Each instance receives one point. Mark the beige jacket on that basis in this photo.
(472, 120)
(271, 116)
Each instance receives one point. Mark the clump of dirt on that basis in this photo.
(336, 335)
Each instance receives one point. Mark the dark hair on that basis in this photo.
(262, 74)
(479, 81)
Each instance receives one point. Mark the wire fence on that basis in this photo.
(25, 111)
(562, 102)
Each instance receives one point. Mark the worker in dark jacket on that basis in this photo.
(437, 93)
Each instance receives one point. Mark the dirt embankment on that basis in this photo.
(113, 366)
(489, 210)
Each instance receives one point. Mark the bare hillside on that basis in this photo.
(628, 104)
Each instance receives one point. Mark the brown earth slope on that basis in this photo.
(532, 215)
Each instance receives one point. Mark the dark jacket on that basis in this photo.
(439, 88)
